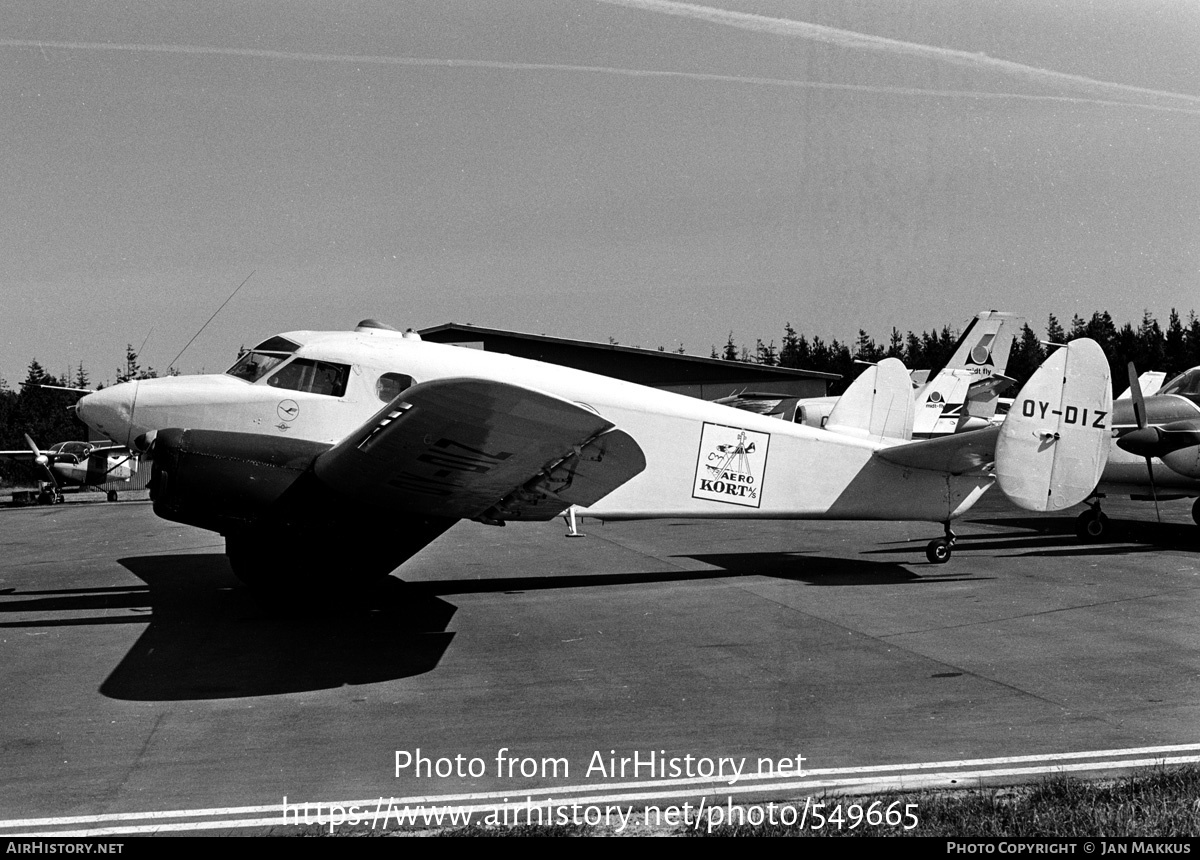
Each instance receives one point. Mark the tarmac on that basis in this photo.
(144, 689)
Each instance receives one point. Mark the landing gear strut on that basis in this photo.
(939, 551)
(49, 494)
(1092, 524)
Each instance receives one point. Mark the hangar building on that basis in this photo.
(706, 378)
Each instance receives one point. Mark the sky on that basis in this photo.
(656, 173)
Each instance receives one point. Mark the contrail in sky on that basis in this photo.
(866, 42)
(367, 59)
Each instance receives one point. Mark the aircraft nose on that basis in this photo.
(109, 411)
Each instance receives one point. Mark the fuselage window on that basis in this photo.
(390, 385)
(314, 377)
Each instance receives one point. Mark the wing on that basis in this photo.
(479, 449)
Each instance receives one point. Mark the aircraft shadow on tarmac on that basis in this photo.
(209, 638)
(1055, 536)
(822, 570)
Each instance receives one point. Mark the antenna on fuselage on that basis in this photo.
(210, 319)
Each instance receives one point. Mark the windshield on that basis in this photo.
(258, 362)
(253, 366)
(1187, 383)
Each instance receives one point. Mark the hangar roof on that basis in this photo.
(687, 374)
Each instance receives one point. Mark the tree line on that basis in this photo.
(1148, 345)
(46, 413)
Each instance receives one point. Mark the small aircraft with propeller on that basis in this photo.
(1156, 447)
(338, 455)
(77, 464)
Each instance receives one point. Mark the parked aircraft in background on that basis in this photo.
(338, 455)
(77, 464)
(1155, 454)
(962, 395)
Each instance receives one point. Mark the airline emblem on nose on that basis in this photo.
(288, 410)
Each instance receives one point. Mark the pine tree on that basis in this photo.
(1054, 331)
(1175, 358)
(1027, 353)
(731, 350)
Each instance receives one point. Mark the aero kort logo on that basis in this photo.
(731, 465)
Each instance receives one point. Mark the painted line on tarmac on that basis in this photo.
(438, 810)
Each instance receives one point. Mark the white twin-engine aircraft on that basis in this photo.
(345, 453)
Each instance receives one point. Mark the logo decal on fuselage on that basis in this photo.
(288, 409)
(731, 466)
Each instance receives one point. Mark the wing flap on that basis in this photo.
(459, 447)
(584, 478)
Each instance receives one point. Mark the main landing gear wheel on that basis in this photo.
(112, 495)
(1196, 512)
(938, 551)
(1091, 526)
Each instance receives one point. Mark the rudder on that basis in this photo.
(1054, 442)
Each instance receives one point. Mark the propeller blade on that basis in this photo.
(1139, 402)
(42, 460)
(1153, 489)
(32, 446)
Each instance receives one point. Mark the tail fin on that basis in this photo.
(1150, 382)
(981, 352)
(1054, 443)
(878, 405)
(984, 346)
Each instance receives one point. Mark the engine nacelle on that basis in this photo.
(1185, 461)
(224, 481)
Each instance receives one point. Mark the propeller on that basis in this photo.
(1139, 414)
(42, 460)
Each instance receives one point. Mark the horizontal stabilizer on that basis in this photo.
(993, 386)
(1054, 442)
(956, 454)
(878, 405)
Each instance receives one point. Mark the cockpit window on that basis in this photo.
(315, 377)
(390, 385)
(1187, 383)
(253, 366)
(277, 344)
(258, 362)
